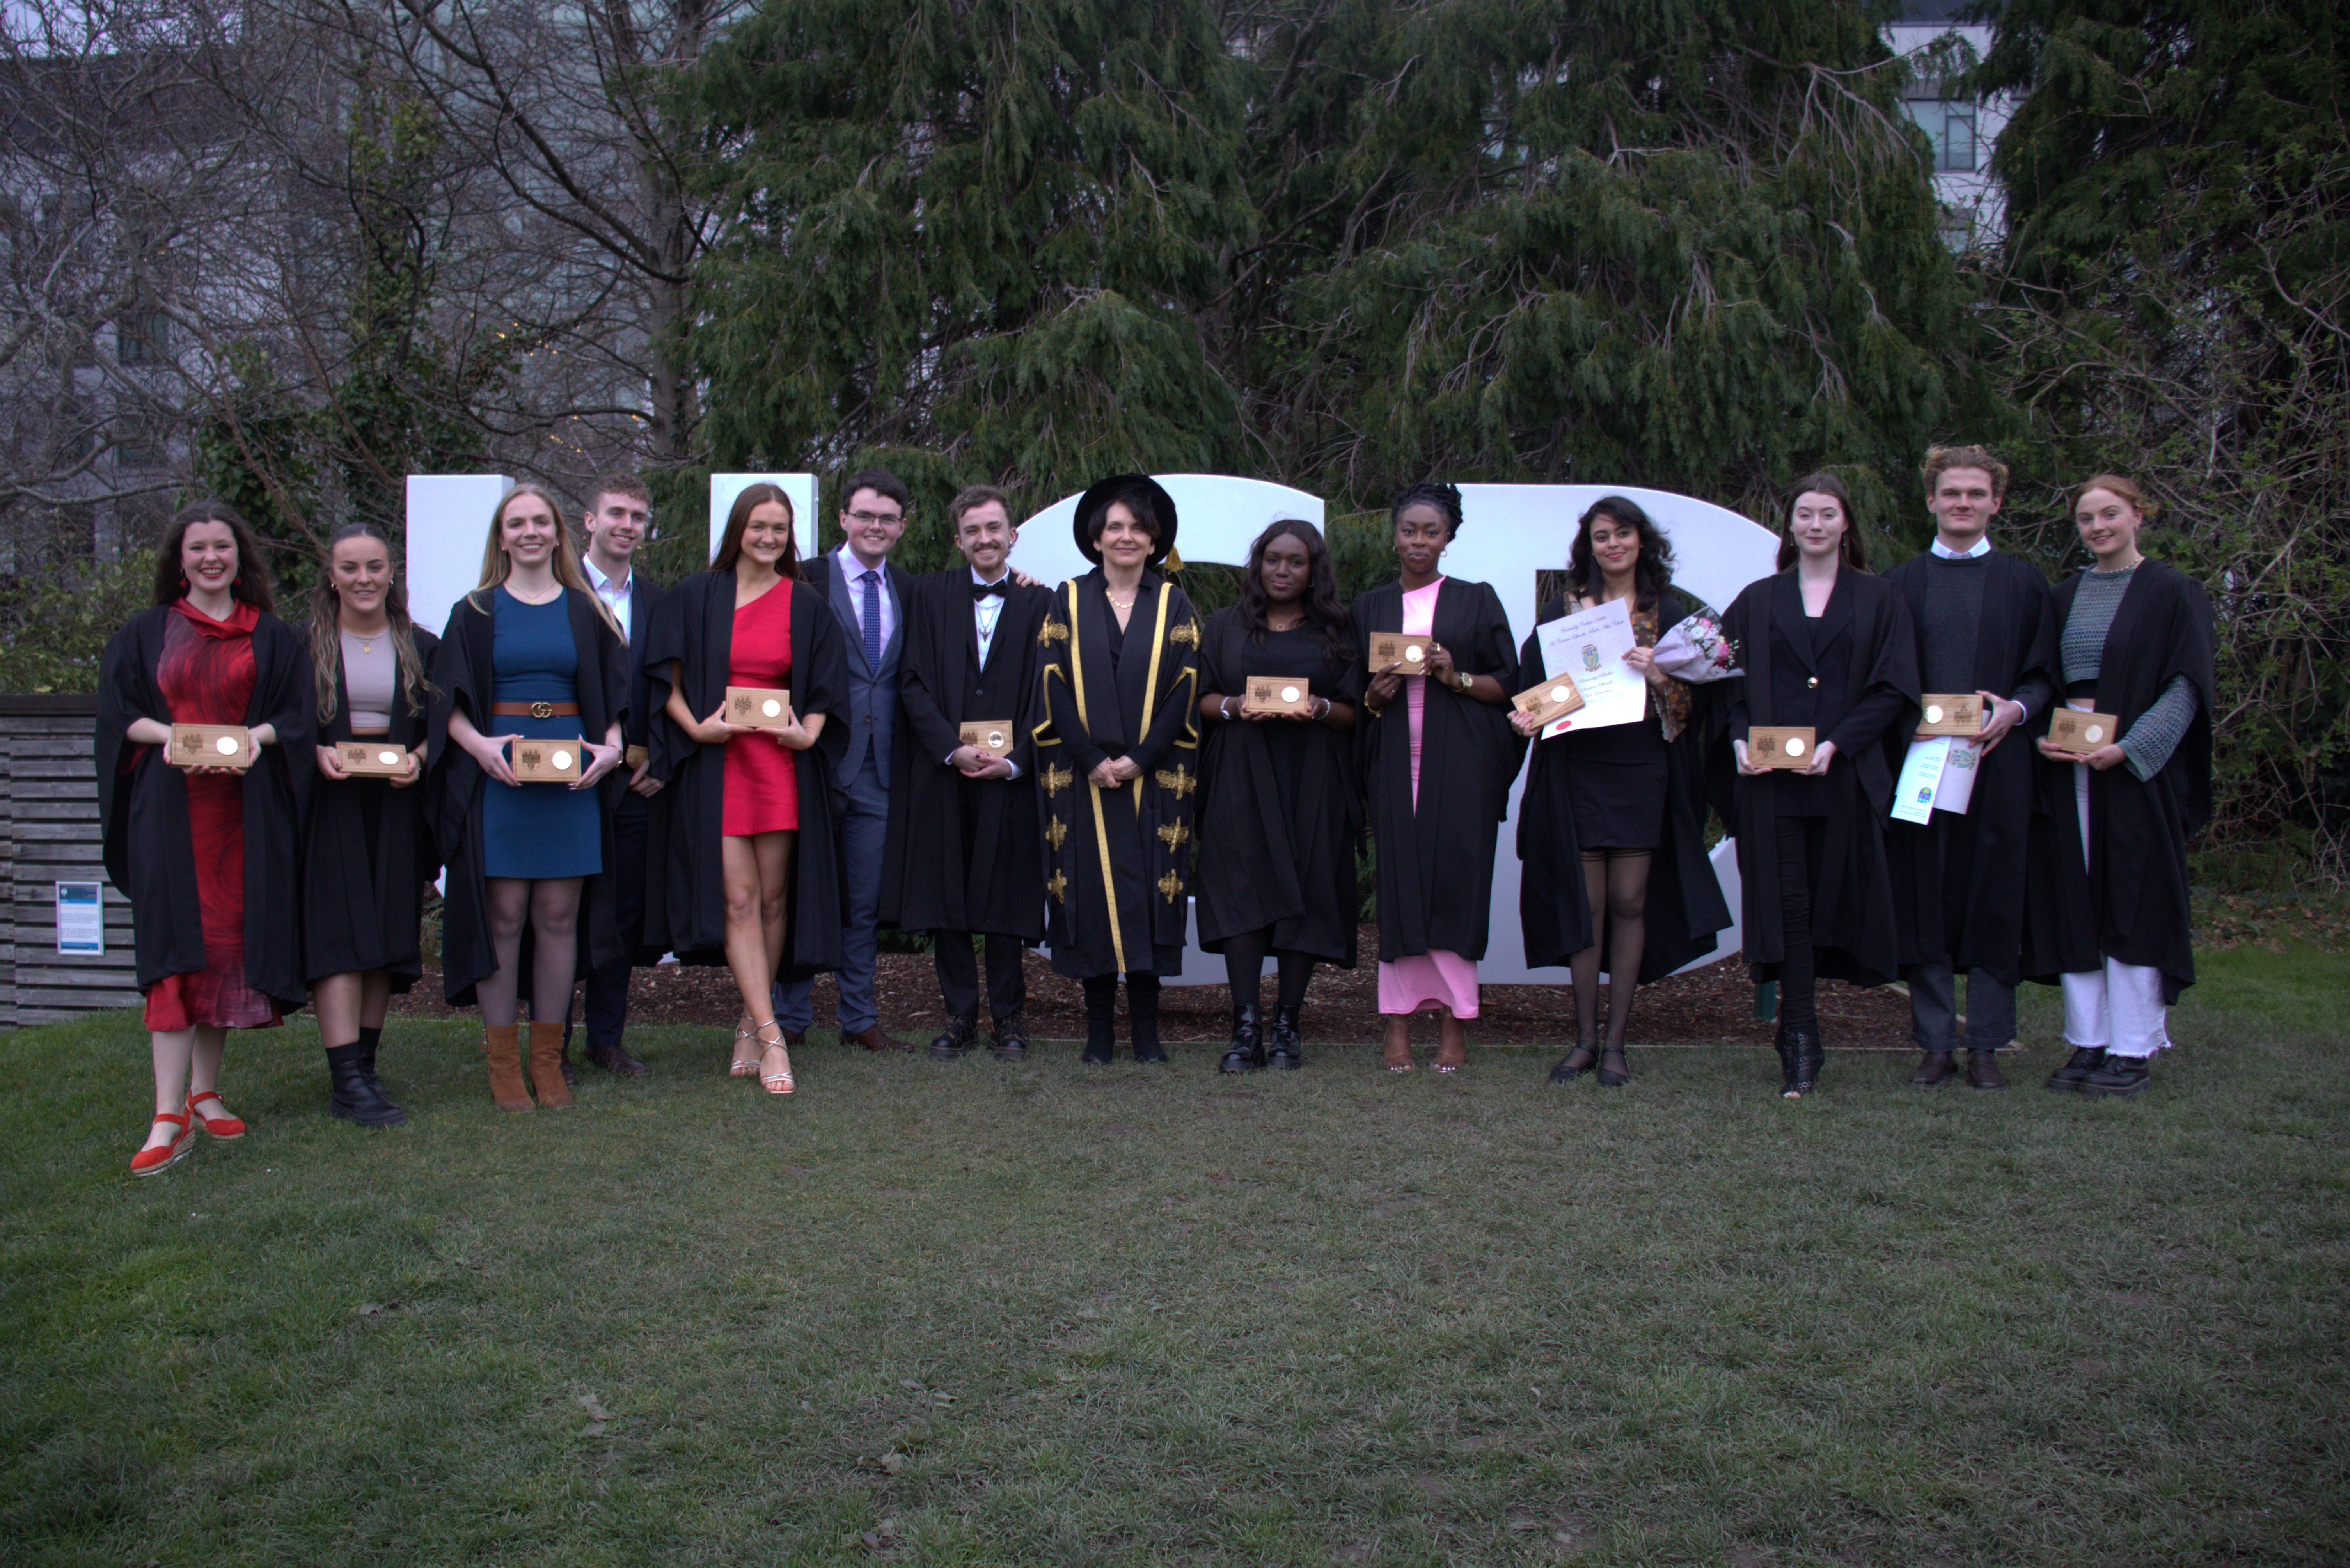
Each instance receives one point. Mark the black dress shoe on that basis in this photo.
(615, 1059)
(2117, 1077)
(1618, 1075)
(1937, 1068)
(1247, 1053)
(1982, 1070)
(1574, 1063)
(1011, 1039)
(951, 1044)
(2085, 1060)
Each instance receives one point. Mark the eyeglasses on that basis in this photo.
(877, 518)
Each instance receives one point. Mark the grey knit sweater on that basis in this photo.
(2160, 727)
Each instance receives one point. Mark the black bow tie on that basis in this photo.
(998, 588)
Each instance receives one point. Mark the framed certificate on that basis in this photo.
(211, 746)
(1780, 746)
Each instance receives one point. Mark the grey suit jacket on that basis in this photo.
(872, 694)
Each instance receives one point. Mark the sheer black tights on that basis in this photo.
(1244, 971)
(1618, 883)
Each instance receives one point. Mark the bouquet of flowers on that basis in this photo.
(1696, 649)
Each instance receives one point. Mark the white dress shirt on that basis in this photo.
(985, 614)
(620, 597)
(852, 571)
(1979, 547)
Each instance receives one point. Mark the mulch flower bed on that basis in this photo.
(1710, 1005)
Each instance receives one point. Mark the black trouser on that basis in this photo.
(1244, 956)
(1801, 841)
(958, 965)
(1934, 1012)
(608, 983)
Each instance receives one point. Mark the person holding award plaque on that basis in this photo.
(1280, 815)
(746, 666)
(532, 683)
(203, 756)
(1437, 755)
(1117, 755)
(2106, 904)
(1606, 809)
(1817, 722)
(1986, 657)
(366, 856)
(966, 853)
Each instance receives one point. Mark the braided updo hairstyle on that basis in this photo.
(1445, 498)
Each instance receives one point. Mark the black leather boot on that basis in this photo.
(351, 1096)
(1288, 1046)
(1011, 1041)
(368, 1040)
(1142, 1011)
(1247, 1053)
(2085, 1060)
(951, 1044)
(1101, 1018)
(1786, 1044)
(1811, 1054)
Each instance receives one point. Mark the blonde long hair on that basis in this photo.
(325, 627)
(497, 566)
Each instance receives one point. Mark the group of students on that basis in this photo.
(776, 756)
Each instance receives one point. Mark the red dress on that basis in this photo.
(763, 781)
(206, 674)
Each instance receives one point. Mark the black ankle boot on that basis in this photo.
(1142, 1012)
(1786, 1042)
(1288, 1046)
(351, 1096)
(1247, 1054)
(368, 1040)
(951, 1044)
(1811, 1054)
(1101, 1018)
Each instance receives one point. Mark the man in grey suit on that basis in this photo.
(873, 599)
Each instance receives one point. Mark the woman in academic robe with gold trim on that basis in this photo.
(1117, 756)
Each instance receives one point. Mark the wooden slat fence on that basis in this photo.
(48, 834)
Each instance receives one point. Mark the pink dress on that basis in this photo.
(1436, 978)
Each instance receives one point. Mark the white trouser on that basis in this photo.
(2119, 1007)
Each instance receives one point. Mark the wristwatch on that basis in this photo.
(1468, 681)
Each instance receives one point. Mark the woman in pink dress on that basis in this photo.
(1437, 756)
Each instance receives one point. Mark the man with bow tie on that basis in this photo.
(966, 846)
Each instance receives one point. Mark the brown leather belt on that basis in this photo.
(536, 709)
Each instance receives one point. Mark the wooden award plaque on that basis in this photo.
(548, 762)
(211, 746)
(1279, 695)
(2079, 733)
(1780, 746)
(1552, 699)
(376, 759)
(759, 707)
(993, 736)
(635, 757)
(1407, 651)
(1952, 714)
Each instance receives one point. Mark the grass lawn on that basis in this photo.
(977, 1314)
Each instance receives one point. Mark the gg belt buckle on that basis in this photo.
(542, 709)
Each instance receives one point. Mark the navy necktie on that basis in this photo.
(873, 619)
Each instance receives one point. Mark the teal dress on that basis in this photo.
(537, 830)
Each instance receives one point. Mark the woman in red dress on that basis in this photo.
(755, 574)
(205, 853)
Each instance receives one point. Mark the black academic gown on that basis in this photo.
(1436, 864)
(1272, 857)
(1119, 858)
(464, 673)
(1865, 701)
(2132, 903)
(142, 804)
(966, 854)
(1685, 905)
(1958, 881)
(362, 904)
(685, 894)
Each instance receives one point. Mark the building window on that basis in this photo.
(143, 337)
(1950, 125)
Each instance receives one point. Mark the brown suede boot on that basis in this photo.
(500, 1044)
(547, 1065)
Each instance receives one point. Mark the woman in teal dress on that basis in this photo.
(529, 656)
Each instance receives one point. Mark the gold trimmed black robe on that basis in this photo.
(1118, 860)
